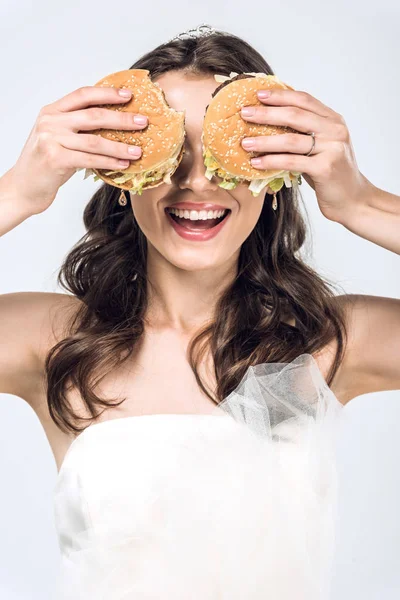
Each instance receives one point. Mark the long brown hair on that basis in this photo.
(106, 270)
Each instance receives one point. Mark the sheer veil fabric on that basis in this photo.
(236, 504)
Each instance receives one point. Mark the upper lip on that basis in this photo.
(197, 206)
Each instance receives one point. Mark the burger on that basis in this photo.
(224, 129)
(161, 141)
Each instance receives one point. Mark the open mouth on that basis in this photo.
(197, 224)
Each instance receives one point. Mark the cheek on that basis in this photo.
(250, 208)
(143, 213)
(144, 208)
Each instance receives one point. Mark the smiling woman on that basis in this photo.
(251, 253)
(189, 302)
(195, 275)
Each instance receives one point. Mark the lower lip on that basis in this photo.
(198, 236)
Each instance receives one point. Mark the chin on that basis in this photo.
(195, 260)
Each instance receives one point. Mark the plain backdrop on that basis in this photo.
(344, 53)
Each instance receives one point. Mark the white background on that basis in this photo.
(344, 53)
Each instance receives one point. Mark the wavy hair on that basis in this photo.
(106, 270)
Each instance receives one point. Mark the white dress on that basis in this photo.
(236, 504)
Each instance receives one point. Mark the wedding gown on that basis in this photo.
(236, 504)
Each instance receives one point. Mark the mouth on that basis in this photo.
(197, 225)
(199, 220)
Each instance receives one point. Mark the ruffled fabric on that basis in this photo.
(235, 504)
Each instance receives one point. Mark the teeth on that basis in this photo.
(195, 215)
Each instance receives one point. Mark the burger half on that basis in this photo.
(162, 141)
(224, 129)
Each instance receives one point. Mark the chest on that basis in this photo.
(157, 378)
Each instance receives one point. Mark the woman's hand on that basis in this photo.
(57, 145)
(331, 170)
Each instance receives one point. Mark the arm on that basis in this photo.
(376, 218)
(26, 318)
(18, 364)
(344, 195)
(372, 358)
(51, 155)
(14, 209)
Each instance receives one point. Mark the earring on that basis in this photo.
(122, 199)
(274, 202)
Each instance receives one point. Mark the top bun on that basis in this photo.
(161, 141)
(224, 128)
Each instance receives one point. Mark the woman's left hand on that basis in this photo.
(331, 170)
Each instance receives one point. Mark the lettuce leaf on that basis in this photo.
(139, 180)
(229, 181)
(277, 184)
(257, 185)
(228, 184)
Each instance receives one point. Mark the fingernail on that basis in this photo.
(248, 111)
(140, 120)
(125, 93)
(134, 150)
(256, 161)
(263, 94)
(248, 143)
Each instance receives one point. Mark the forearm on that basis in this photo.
(13, 208)
(377, 220)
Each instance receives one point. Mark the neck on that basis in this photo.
(184, 300)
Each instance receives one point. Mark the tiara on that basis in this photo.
(202, 30)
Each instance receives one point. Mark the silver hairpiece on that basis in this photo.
(202, 30)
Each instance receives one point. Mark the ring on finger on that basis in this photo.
(313, 143)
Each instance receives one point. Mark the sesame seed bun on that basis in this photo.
(224, 129)
(161, 141)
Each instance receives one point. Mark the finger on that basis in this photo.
(285, 162)
(296, 143)
(296, 118)
(73, 159)
(87, 96)
(303, 100)
(100, 118)
(96, 144)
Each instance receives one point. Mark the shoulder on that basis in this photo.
(36, 321)
(53, 313)
(31, 323)
(45, 314)
(372, 353)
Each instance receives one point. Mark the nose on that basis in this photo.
(190, 175)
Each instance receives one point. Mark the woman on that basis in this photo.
(181, 505)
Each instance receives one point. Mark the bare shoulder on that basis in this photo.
(54, 314)
(30, 324)
(371, 361)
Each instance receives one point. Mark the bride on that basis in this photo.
(190, 390)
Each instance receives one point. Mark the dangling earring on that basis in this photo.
(274, 202)
(122, 199)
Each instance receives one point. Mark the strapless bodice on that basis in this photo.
(234, 504)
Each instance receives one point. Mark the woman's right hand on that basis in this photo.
(55, 150)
